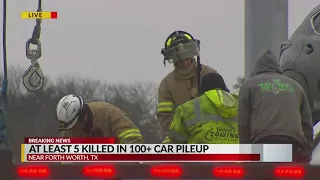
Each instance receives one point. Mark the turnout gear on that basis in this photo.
(181, 85)
(271, 104)
(103, 120)
(176, 89)
(208, 119)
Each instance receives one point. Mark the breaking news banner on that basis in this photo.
(105, 150)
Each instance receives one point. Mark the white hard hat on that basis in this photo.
(68, 110)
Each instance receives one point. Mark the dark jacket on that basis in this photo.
(273, 104)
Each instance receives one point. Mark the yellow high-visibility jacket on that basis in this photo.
(208, 119)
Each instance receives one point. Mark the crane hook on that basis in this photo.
(33, 78)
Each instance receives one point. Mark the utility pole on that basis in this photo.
(266, 26)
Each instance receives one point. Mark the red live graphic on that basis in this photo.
(144, 157)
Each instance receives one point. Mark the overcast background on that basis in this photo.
(120, 40)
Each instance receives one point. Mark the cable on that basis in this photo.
(4, 44)
(4, 88)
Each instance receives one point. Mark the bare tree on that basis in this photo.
(237, 86)
(33, 113)
(89, 89)
(139, 102)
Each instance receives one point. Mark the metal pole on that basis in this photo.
(266, 26)
(4, 143)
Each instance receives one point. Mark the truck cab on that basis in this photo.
(300, 60)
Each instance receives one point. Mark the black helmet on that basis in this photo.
(180, 45)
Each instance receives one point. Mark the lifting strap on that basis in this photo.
(33, 77)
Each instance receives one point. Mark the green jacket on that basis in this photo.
(208, 119)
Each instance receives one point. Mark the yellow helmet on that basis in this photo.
(180, 45)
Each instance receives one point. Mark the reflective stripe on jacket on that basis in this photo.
(126, 136)
(165, 107)
(209, 119)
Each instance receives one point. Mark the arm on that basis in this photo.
(177, 132)
(306, 121)
(165, 107)
(122, 127)
(244, 113)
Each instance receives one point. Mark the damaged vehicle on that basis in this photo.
(300, 60)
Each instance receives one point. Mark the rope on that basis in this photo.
(37, 28)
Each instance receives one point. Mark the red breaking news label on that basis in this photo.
(58, 140)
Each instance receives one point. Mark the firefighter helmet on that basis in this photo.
(180, 45)
(68, 110)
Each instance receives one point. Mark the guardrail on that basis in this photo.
(157, 170)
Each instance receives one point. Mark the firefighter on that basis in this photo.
(274, 109)
(180, 85)
(208, 119)
(95, 119)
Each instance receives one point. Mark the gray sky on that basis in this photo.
(120, 40)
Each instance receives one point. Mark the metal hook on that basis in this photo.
(33, 54)
(33, 78)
